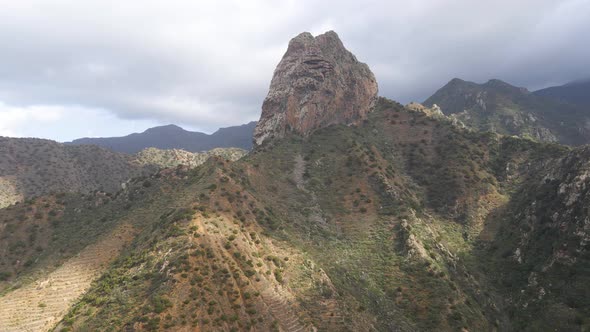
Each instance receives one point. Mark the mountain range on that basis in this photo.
(554, 114)
(351, 212)
(32, 167)
(502, 108)
(174, 137)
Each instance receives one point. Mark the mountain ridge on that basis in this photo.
(576, 92)
(410, 204)
(501, 107)
(34, 167)
(174, 137)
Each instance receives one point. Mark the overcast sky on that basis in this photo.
(73, 68)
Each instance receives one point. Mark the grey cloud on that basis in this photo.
(209, 64)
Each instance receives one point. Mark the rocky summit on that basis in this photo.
(317, 83)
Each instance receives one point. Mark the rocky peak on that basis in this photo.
(459, 95)
(317, 83)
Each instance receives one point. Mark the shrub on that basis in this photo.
(161, 304)
(456, 316)
(153, 324)
(278, 275)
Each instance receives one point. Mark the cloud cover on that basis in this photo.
(208, 64)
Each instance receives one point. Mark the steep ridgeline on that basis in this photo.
(403, 223)
(174, 137)
(500, 107)
(317, 83)
(576, 93)
(34, 167)
(196, 258)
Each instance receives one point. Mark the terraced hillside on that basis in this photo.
(392, 225)
(40, 305)
(197, 264)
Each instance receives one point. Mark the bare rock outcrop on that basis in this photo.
(433, 111)
(317, 83)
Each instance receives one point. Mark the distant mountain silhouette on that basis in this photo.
(174, 137)
(577, 93)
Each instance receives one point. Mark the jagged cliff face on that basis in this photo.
(317, 83)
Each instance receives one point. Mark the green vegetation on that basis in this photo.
(406, 222)
(498, 107)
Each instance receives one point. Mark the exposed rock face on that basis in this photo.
(175, 157)
(434, 111)
(317, 83)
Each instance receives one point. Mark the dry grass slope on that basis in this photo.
(40, 305)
